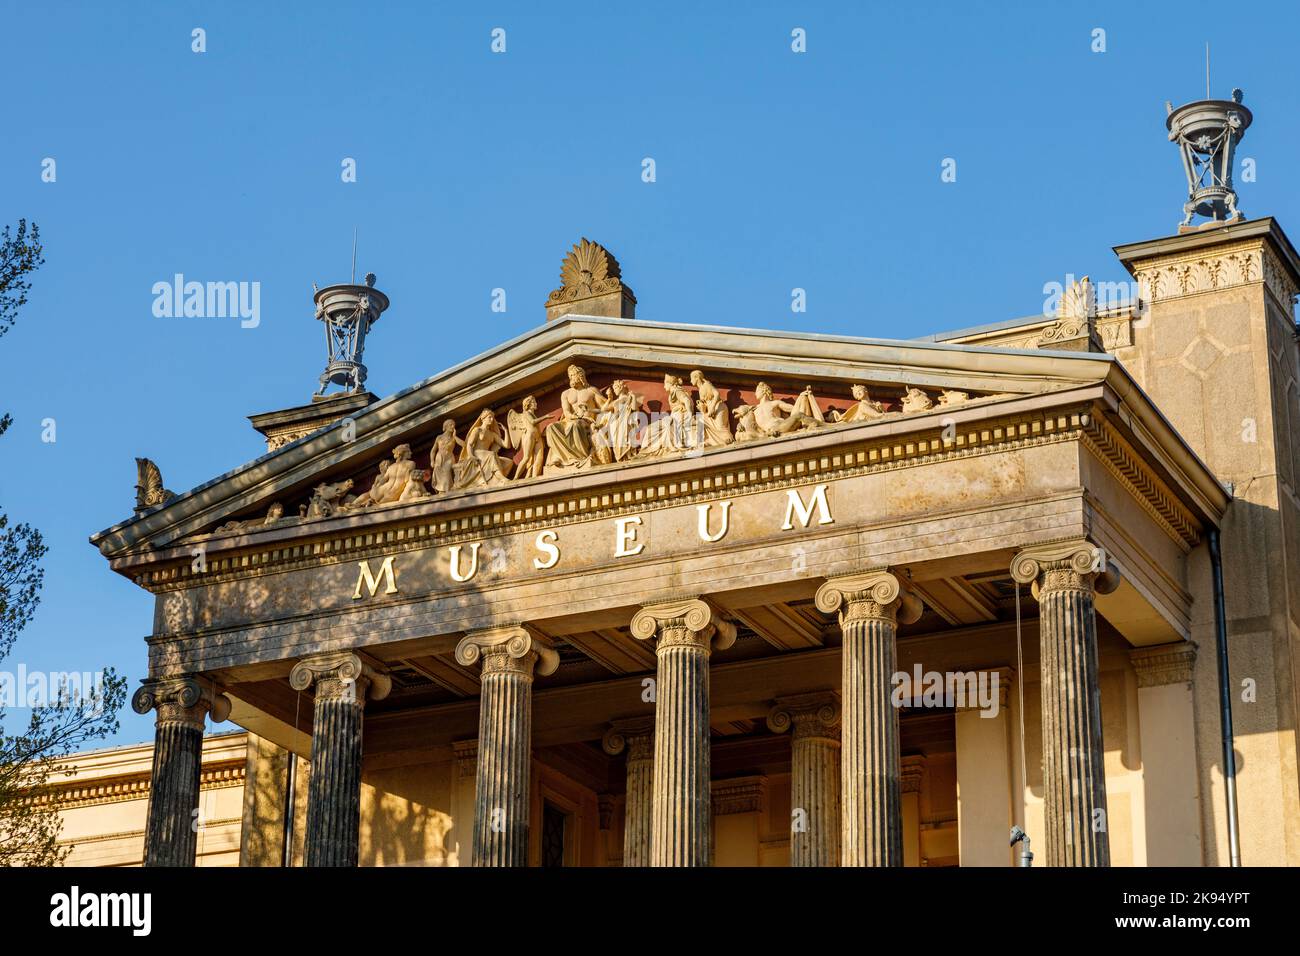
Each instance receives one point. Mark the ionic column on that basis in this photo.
(685, 633)
(509, 657)
(814, 722)
(171, 831)
(871, 607)
(343, 682)
(635, 735)
(1065, 578)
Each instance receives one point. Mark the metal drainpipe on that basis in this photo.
(286, 855)
(1225, 698)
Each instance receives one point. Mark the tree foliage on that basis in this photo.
(21, 254)
(65, 717)
(30, 762)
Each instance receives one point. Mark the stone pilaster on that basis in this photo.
(171, 830)
(912, 784)
(814, 722)
(635, 735)
(509, 657)
(466, 753)
(1065, 578)
(685, 633)
(986, 742)
(871, 606)
(1167, 742)
(343, 682)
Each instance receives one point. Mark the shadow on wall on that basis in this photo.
(400, 822)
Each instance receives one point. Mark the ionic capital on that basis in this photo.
(636, 735)
(810, 715)
(182, 699)
(876, 594)
(1164, 664)
(514, 649)
(1066, 565)
(344, 675)
(693, 622)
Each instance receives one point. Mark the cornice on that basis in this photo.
(1197, 242)
(214, 776)
(862, 450)
(1232, 265)
(391, 533)
(535, 358)
(1150, 493)
(133, 834)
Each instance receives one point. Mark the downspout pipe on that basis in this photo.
(1225, 698)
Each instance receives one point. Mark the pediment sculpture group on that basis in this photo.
(595, 427)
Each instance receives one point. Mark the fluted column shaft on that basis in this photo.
(636, 736)
(172, 825)
(682, 815)
(685, 633)
(509, 657)
(1065, 580)
(813, 720)
(343, 682)
(871, 605)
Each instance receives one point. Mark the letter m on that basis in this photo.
(794, 507)
(371, 581)
(223, 301)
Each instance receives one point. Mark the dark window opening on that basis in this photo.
(555, 830)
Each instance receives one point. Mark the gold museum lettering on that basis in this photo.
(463, 559)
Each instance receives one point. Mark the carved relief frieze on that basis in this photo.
(793, 473)
(595, 428)
(1225, 267)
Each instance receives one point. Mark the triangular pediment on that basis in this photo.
(642, 418)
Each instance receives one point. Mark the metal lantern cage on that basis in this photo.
(1207, 133)
(347, 312)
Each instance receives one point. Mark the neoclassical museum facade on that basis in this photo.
(630, 592)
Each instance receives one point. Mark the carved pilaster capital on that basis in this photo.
(739, 795)
(692, 622)
(807, 715)
(912, 774)
(1066, 565)
(466, 752)
(515, 649)
(343, 675)
(877, 594)
(996, 680)
(1164, 664)
(636, 735)
(181, 699)
(605, 804)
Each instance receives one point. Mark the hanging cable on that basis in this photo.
(1018, 835)
(290, 795)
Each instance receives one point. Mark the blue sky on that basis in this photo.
(476, 171)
